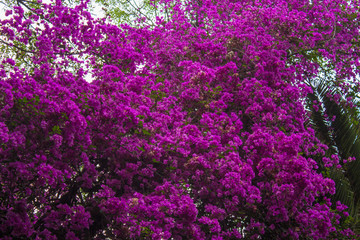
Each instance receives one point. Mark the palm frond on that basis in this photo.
(342, 135)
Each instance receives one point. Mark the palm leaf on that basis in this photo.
(342, 137)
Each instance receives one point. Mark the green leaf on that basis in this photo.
(171, 168)
(155, 161)
(146, 132)
(141, 148)
(56, 130)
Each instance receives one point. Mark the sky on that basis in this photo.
(97, 12)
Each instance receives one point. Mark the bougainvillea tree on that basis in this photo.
(193, 128)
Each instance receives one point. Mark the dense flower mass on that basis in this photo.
(190, 129)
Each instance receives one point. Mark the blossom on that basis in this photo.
(191, 128)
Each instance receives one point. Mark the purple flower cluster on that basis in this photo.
(190, 129)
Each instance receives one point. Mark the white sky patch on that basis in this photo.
(3, 9)
(96, 9)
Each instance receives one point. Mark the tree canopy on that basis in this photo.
(192, 127)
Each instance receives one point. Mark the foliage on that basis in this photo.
(192, 128)
(134, 12)
(336, 123)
